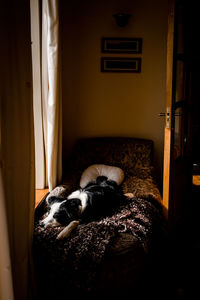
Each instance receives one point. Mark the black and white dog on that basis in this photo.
(98, 198)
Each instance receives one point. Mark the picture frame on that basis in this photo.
(121, 45)
(121, 65)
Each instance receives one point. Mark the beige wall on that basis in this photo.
(113, 104)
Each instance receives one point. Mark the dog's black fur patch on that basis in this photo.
(68, 211)
(103, 195)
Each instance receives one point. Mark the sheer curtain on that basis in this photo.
(16, 151)
(47, 93)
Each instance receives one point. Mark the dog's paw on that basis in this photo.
(129, 195)
(67, 230)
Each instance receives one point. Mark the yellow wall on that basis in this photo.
(113, 104)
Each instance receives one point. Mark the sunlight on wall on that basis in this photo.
(113, 104)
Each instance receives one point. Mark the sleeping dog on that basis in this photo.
(98, 198)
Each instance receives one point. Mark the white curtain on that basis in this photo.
(47, 93)
(16, 152)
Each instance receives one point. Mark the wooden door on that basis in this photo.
(177, 174)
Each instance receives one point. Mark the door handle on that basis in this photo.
(167, 114)
(162, 114)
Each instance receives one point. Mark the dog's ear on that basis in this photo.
(68, 211)
(62, 216)
(72, 206)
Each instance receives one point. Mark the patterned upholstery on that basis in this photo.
(126, 153)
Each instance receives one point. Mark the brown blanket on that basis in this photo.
(71, 265)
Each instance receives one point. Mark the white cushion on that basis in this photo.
(93, 171)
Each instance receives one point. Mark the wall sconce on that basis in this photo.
(122, 19)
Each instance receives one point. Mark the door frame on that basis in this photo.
(167, 130)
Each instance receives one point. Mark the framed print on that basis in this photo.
(121, 45)
(121, 65)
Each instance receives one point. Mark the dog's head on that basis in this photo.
(61, 211)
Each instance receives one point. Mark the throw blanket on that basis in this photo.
(71, 265)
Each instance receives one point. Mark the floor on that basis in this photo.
(39, 195)
(185, 249)
(196, 180)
